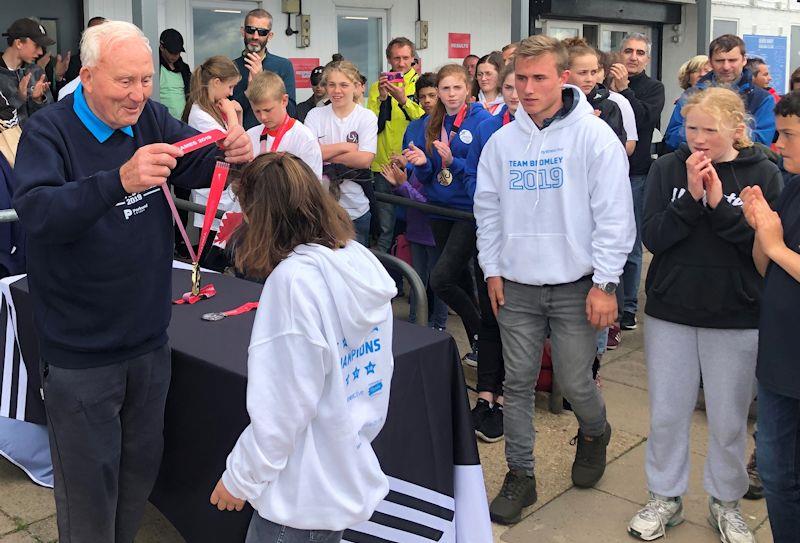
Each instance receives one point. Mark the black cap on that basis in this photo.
(316, 75)
(28, 28)
(172, 41)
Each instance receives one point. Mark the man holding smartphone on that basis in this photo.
(391, 98)
(256, 32)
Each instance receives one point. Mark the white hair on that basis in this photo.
(97, 38)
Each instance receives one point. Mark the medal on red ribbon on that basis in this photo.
(445, 176)
(218, 316)
(218, 181)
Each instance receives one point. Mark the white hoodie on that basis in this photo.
(570, 216)
(319, 369)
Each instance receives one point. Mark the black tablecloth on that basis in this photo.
(427, 434)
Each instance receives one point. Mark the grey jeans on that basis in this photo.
(106, 440)
(262, 530)
(529, 313)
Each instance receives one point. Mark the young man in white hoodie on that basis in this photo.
(319, 363)
(555, 225)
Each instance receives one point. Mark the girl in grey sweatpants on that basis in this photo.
(703, 308)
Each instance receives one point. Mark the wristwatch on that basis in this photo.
(608, 288)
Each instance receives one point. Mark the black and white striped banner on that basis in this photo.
(14, 377)
(414, 514)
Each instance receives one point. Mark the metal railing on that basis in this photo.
(414, 281)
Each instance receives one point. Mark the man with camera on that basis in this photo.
(391, 98)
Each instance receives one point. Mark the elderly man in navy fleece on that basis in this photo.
(88, 192)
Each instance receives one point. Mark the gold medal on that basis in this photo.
(195, 278)
(445, 177)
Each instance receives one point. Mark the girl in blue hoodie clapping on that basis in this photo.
(439, 164)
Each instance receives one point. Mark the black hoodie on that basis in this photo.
(609, 111)
(702, 273)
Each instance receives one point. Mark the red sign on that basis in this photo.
(302, 71)
(458, 45)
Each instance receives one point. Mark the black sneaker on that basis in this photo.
(481, 410)
(471, 358)
(755, 490)
(518, 491)
(628, 321)
(490, 428)
(590, 458)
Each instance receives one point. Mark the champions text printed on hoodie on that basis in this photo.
(319, 368)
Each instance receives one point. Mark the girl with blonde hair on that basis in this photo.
(348, 136)
(703, 309)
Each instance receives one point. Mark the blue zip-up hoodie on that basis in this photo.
(454, 195)
(758, 103)
(485, 131)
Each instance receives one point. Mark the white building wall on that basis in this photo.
(677, 47)
(119, 10)
(489, 24)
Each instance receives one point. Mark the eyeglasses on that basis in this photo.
(261, 31)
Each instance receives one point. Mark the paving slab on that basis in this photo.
(591, 516)
(764, 533)
(156, 528)
(22, 499)
(18, 537)
(629, 370)
(45, 530)
(7, 524)
(625, 478)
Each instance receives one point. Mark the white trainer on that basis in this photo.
(726, 518)
(652, 520)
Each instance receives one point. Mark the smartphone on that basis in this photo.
(394, 78)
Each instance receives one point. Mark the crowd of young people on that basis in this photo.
(548, 144)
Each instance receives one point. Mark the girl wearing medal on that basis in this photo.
(487, 415)
(487, 82)
(439, 164)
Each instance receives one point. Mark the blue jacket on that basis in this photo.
(758, 103)
(485, 131)
(454, 195)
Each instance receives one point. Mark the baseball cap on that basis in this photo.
(28, 28)
(316, 75)
(172, 41)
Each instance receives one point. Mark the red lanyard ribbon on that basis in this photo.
(206, 292)
(199, 141)
(491, 108)
(506, 117)
(218, 180)
(286, 125)
(218, 316)
(446, 138)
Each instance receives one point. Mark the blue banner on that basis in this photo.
(773, 50)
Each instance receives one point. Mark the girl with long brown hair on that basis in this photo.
(438, 160)
(323, 330)
(208, 108)
(487, 82)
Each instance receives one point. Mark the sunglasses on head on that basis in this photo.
(254, 29)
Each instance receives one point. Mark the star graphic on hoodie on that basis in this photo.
(370, 368)
(355, 373)
(344, 343)
(347, 379)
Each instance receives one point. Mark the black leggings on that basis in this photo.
(450, 278)
(491, 370)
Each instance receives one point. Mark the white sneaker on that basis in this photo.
(726, 518)
(652, 521)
